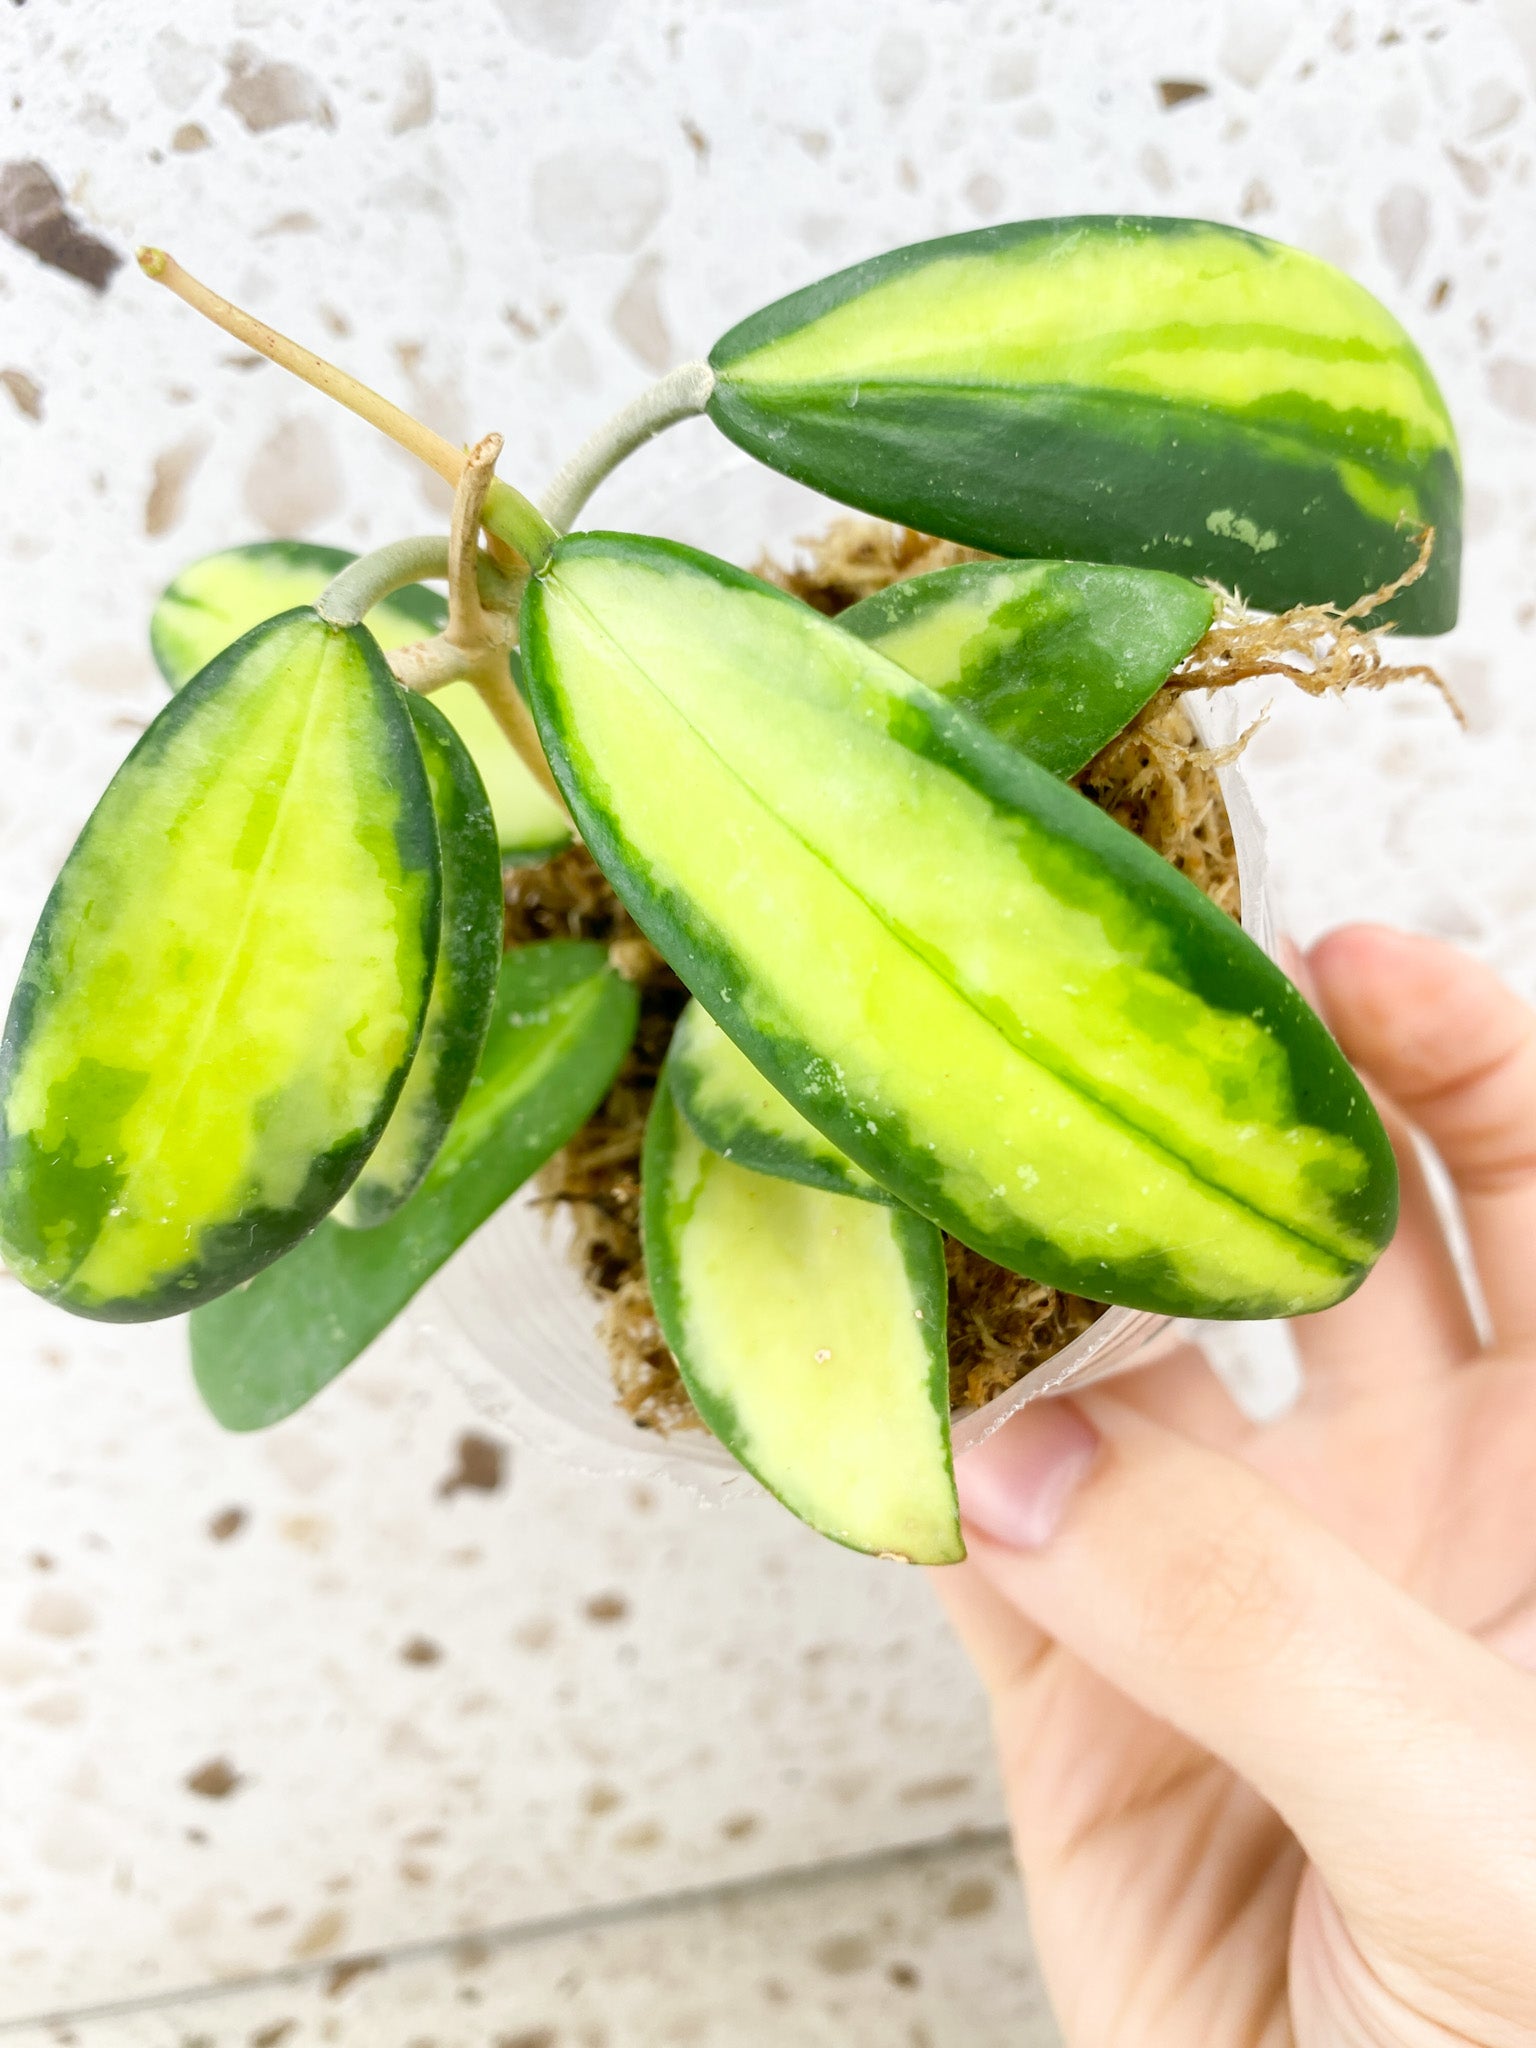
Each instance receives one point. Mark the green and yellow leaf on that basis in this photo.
(221, 1002)
(810, 1333)
(562, 1023)
(1001, 1005)
(733, 1110)
(463, 983)
(217, 599)
(1053, 657)
(1166, 393)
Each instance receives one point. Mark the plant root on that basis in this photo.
(1321, 648)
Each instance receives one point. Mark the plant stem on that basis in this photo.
(467, 626)
(354, 591)
(682, 394)
(474, 647)
(493, 679)
(481, 637)
(508, 514)
(518, 521)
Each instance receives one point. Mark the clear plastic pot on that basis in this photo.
(510, 1316)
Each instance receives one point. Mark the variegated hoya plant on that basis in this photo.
(267, 1061)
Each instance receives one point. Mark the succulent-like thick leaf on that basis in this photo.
(217, 599)
(1167, 393)
(222, 999)
(1053, 657)
(562, 1023)
(733, 1110)
(997, 1001)
(463, 983)
(809, 1331)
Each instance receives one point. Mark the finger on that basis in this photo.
(1003, 1644)
(1182, 1392)
(1411, 1319)
(1456, 1050)
(1006, 1649)
(1000, 1642)
(1045, 1705)
(1217, 1605)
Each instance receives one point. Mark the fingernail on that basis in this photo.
(1017, 1485)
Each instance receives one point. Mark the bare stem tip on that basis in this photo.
(152, 261)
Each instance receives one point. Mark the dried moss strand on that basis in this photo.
(1317, 647)
(1375, 599)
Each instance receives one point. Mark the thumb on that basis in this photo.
(1400, 1753)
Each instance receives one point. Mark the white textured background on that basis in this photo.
(447, 1712)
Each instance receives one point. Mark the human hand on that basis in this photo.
(1263, 1695)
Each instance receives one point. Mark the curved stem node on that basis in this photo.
(354, 591)
(681, 395)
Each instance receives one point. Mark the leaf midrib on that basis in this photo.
(1331, 441)
(145, 1161)
(560, 1029)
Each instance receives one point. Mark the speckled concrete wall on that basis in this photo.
(274, 1701)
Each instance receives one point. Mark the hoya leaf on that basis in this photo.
(1053, 657)
(224, 595)
(562, 1023)
(809, 1331)
(1002, 1005)
(215, 600)
(733, 1110)
(220, 1004)
(1166, 393)
(463, 984)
